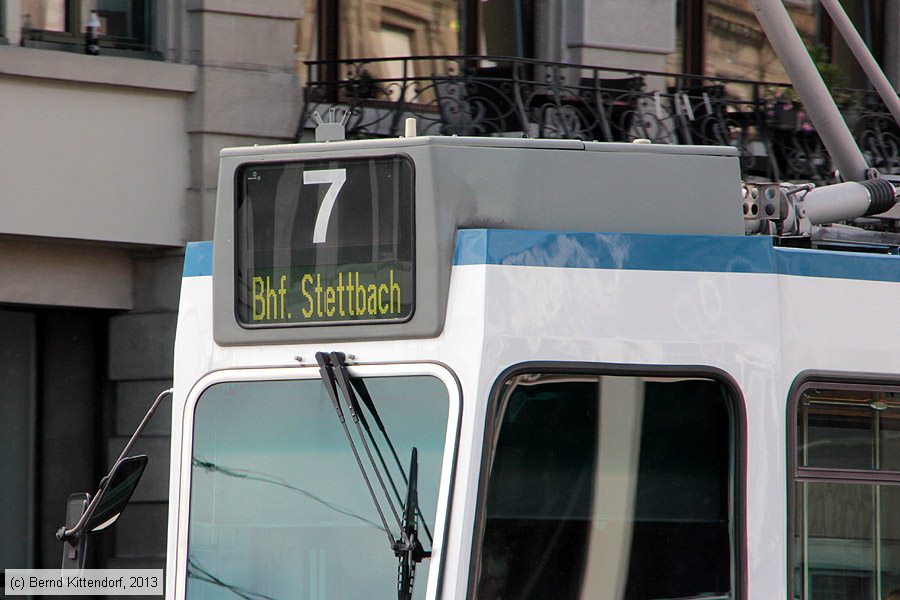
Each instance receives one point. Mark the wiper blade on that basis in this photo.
(327, 374)
(410, 553)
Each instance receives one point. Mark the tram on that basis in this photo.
(494, 368)
(439, 367)
(680, 411)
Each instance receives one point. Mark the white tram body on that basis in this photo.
(612, 267)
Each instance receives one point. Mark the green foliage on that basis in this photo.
(832, 74)
(834, 77)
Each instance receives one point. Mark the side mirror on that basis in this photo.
(121, 482)
(85, 516)
(75, 549)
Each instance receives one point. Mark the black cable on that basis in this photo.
(267, 478)
(210, 578)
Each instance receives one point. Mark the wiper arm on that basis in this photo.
(327, 374)
(407, 549)
(339, 368)
(366, 398)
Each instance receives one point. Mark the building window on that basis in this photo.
(610, 486)
(736, 47)
(500, 27)
(372, 30)
(724, 39)
(346, 30)
(124, 24)
(846, 492)
(367, 29)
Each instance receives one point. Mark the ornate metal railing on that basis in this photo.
(477, 95)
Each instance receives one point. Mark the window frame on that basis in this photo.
(329, 19)
(240, 196)
(796, 474)
(737, 410)
(73, 38)
(692, 23)
(447, 483)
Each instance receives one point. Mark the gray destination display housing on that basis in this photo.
(500, 183)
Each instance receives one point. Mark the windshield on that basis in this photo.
(278, 507)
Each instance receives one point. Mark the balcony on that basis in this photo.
(493, 96)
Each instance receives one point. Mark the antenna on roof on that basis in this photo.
(333, 130)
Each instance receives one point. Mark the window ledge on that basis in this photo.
(103, 70)
(106, 48)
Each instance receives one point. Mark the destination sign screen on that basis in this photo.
(325, 242)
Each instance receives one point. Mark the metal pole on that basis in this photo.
(863, 56)
(876, 490)
(520, 43)
(827, 119)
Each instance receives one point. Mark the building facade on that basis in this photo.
(110, 167)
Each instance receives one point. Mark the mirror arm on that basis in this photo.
(64, 534)
(140, 428)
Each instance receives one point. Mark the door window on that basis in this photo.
(608, 486)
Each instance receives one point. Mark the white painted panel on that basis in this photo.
(760, 329)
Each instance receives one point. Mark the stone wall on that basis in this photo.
(141, 349)
(247, 93)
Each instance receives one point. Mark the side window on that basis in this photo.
(846, 497)
(608, 486)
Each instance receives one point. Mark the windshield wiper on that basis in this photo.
(360, 386)
(411, 553)
(326, 372)
(407, 549)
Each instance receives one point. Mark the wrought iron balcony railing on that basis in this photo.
(478, 95)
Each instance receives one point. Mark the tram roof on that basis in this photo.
(483, 142)
(459, 183)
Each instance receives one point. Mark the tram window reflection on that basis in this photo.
(610, 487)
(846, 494)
